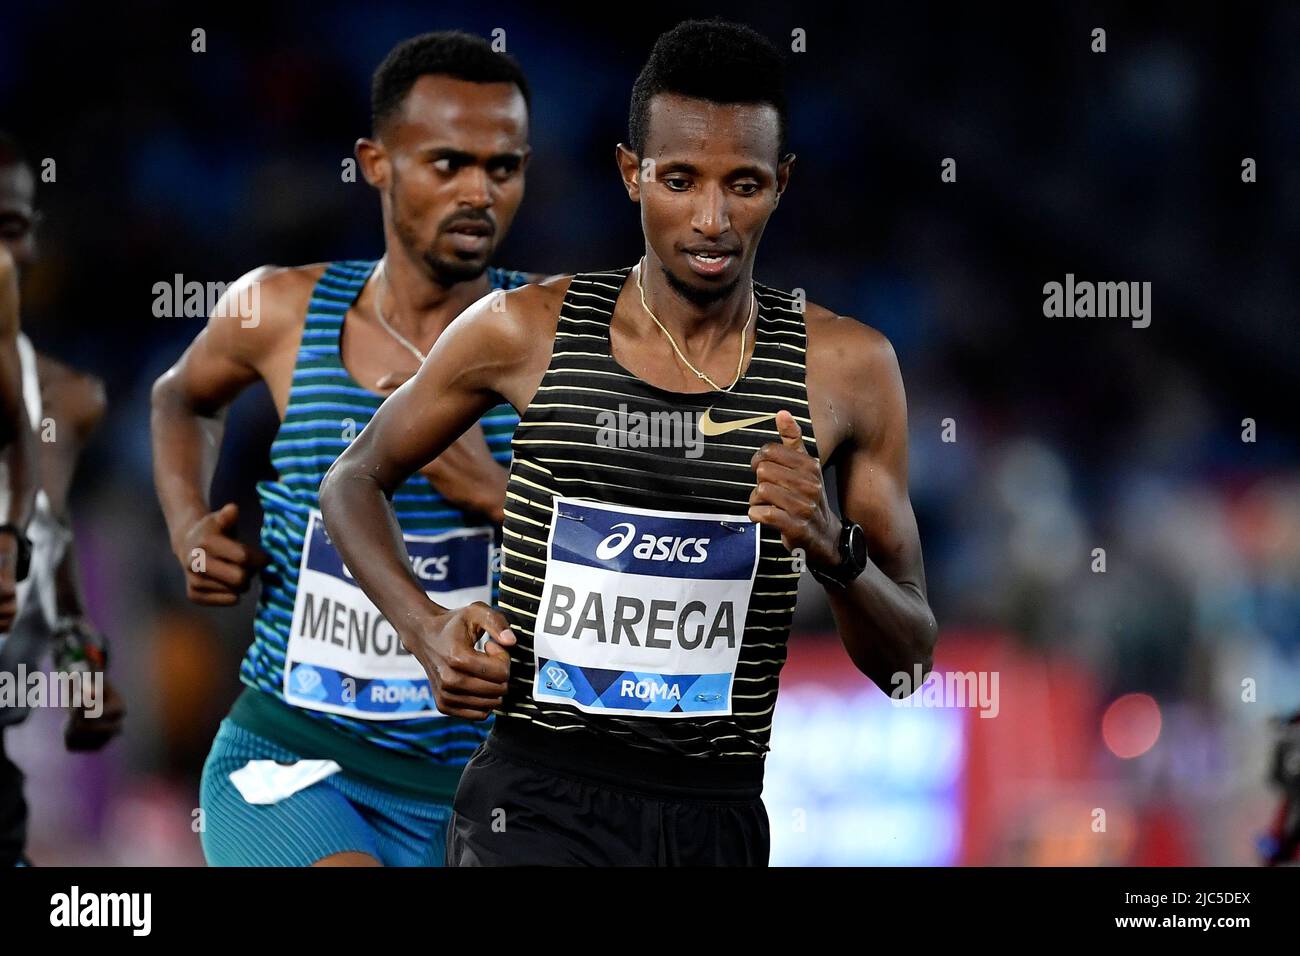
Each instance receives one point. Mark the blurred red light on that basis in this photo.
(1131, 725)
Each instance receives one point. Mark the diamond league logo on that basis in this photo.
(557, 678)
(307, 679)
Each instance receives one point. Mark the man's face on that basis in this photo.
(716, 180)
(18, 213)
(454, 172)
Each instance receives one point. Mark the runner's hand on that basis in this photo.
(218, 569)
(84, 732)
(8, 583)
(466, 682)
(791, 497)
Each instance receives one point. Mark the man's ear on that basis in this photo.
(783, 168)
(374, 162)
(629, 167)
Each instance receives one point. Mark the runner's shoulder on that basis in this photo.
(266, 307)
(547, 288)
(72, 396)
(519, 319)
(850, 366)
(844, 342)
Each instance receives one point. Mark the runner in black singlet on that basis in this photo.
(664, 496)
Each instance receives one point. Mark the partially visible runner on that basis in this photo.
(17, 443)
(648, 587)
(335, 753)
(51, 619)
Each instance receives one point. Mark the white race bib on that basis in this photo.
(643, 612)
(343, 656)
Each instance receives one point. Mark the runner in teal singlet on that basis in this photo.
(335, 753)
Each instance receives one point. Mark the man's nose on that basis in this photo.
(475, 187)
(711, 218)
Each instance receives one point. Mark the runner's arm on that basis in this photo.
(884, 617)
(189, 404)
(15, 426)
(17, 440)
(484, 356)
(75, 402)
(456, 384)
(465, 473)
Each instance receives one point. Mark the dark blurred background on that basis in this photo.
(1071, 433)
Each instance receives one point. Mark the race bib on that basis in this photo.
(343, 656)
(643, 612)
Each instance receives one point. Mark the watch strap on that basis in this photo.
(23, 559)
(848, 568)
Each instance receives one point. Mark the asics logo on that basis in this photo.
(652, 548)
(616, 543)
(431, 569)
(434, 568)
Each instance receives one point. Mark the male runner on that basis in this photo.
(48, 604)
(647, 591)
(335, 753)
(17, 443)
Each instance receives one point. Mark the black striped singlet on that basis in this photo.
(650, 613)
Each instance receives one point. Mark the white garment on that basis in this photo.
(28, 641)
(268, 781)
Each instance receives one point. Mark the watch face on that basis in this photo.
(858, 546)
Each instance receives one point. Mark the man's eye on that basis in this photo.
(677, 184)
(746, 189)
(502, 172)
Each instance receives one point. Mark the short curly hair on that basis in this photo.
(444, 53)
(710, 60)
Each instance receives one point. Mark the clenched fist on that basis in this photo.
(791, 497)
(218, 568)
(466, 682)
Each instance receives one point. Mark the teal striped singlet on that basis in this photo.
(320, 651)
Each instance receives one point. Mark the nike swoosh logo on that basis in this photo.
(709, 428)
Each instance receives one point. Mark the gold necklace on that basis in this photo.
(753, 308)
(382, 269)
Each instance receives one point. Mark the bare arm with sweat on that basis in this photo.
(486, 355)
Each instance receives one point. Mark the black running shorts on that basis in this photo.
(513, 809)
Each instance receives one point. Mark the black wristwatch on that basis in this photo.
(853, 558)
(23, 564)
